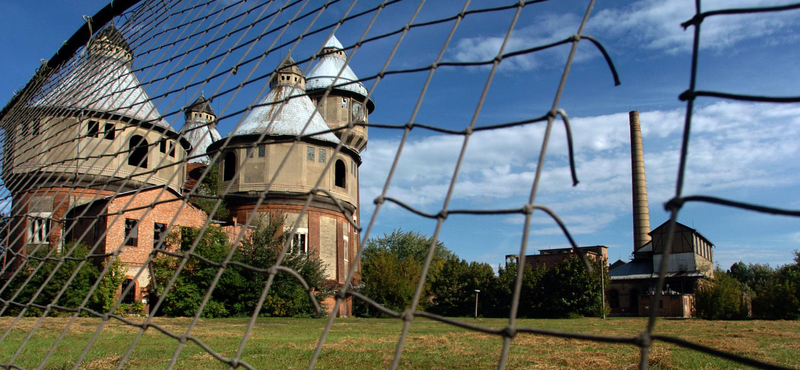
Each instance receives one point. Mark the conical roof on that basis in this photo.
(324, 73)
(201, 105)
(285, 111)
(200, 134)
(103, 82)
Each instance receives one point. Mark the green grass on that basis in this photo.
(284, 343)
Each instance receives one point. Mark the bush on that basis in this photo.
(721, 298)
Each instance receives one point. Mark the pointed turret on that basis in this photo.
(347, 101)
(200, 128)
(286, 109)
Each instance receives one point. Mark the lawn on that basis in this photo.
(285, 343)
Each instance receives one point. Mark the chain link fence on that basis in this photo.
(82, 130)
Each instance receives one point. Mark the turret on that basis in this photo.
(200, 128)
(347, 100)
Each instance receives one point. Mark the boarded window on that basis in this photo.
(159, 235)
(310, 154)
(322, 155)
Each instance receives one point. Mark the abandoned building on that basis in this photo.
(116, 173)
(549, 257)
(633, 283)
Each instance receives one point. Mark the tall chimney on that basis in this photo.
(641, 212)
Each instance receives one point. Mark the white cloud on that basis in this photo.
(649, 24)
(733, 146)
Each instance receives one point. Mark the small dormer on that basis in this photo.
(288, 74)
(111, 43)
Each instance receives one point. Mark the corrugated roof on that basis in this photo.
(103, 82)
(636, 269)
(276, 119)
(200, 134)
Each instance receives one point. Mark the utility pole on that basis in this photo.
(476, 303)
(603, 287)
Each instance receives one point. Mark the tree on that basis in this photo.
(391, 268)
(779, 298)
(239, 288)
(721, 298)
(453, 292)
(88, 271)
(211, 185)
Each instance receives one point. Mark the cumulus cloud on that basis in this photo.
(733, 146)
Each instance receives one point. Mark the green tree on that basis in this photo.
(211, 185)
(391, 268)
(779, 298)
(87, 274)
(721, 298)
(453, 292)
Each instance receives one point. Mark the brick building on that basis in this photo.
(116, 174)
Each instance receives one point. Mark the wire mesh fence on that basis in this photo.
(90, 156)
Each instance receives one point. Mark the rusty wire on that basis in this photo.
(218, 42)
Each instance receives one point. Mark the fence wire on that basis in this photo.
(225, 52)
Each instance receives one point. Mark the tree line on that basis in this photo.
(752, 291)
(391, 268)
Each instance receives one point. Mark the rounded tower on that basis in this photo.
(200, 129)
(258, 146)
(347, 101)
(93, 134)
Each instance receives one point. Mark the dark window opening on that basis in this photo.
(94, 129)
(110, 133)
(162, 146)
(635, 299)
(131, 232)
(660, 303)
(130, 297)
(262, 151)
(613, 299)
(159, 235)
(229, 166)
(341, 174)
(171, 145)
(299, 242)
(138, 151)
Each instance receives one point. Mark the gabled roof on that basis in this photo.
(103, 82)
(680, 226)
(636, 269)
(323, 74)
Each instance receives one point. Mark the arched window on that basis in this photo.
(341, 174)
(138, 151)
(131, 296)
(229, 166)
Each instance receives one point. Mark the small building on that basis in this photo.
(550, 257)
(633, 283)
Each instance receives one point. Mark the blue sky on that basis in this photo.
(741, 151)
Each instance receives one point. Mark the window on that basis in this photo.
(660, 303)
(159, 235)
(138, 151)
(262, 151)
(346, 239)
(110, 133)
(94, 129)
(340, 174)
(39, 228)
(229, 166)
(171, 148)
(310, 154)
(321, 155)
(344, 102)
(131, 296)
(353, 167)
(131, 232)
(300, 241)
(162, 146)
(613, 299)
(35, 127)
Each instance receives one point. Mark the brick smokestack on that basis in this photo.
(641, 212)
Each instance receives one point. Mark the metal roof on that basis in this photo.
(201, 105)
(334, 43)
(200, 134)
(636, 269)
(103, 84)
(323, 74)
(285, 111)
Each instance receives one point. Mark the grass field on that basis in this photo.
(281, 343)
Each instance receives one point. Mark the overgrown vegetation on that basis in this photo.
(391, 266)
(210, 186)
(239, 289)
(35, 275)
